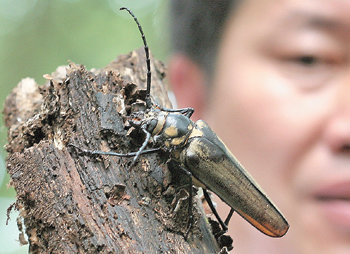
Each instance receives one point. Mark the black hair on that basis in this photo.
(197, 26)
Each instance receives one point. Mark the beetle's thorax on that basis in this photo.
(170, 130)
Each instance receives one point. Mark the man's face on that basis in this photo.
(281, 102)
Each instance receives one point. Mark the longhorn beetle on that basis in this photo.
(205, 159)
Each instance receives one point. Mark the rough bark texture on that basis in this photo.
(75, 203)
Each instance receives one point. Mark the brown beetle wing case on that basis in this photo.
(209, 160)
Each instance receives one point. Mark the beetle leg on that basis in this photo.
(213, 209)
(131, 154)
(228, 218)
(144, 144)
(185, 111)
(190, 194)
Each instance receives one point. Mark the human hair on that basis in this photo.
(196, 28)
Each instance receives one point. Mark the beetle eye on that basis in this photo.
(151, 125)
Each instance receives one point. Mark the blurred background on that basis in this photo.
(36, 36)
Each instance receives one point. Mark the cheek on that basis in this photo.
(266, 123)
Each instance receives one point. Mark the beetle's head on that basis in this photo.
(152, 122)
(136, 119)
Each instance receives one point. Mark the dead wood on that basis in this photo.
(78, 203)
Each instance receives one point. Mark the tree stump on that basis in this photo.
(77, 203)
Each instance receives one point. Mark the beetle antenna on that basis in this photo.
(148, 91)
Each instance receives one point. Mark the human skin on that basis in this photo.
(280, 100)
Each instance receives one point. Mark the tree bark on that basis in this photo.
(78, 203)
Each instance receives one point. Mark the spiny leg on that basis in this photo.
(148, 61)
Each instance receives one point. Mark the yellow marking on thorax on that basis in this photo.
(160, 124)
(171, 131)
(178, 141)
(196, 133)
(167, 143)
(183, 139)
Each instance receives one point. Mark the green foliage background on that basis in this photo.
(36, 36)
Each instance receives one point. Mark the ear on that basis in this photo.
(187, 80)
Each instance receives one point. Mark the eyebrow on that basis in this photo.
(318, 21)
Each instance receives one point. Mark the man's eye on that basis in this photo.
(307, 60)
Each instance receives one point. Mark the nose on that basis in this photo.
(337, 133)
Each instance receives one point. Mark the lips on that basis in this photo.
(333, 200)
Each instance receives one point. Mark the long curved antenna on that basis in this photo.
(148, 91)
